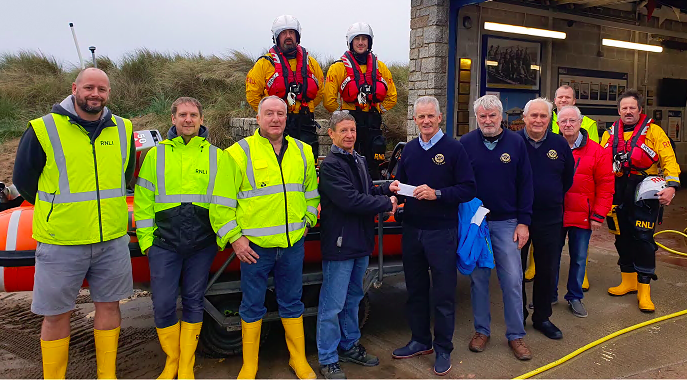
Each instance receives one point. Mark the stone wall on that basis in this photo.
(428, 55)
(240, 128)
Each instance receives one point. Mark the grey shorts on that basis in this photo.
(61, 269)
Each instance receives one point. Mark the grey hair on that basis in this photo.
(577, 111)
(263, 100)
(488, 102)
(427, 100)
(538, 100)
(563, 87)
(338, 117)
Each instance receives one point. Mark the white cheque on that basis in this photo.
(406, 190)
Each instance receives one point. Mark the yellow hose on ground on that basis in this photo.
(617, 333)
(598, 342)
(684, 234)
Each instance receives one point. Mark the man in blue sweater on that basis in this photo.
(553, 168)
(440, 170)
(504, 184)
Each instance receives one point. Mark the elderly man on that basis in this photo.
(270, 187)
(290, 73)
(439, 169)
(367, 93)
(552, 169)
(586, 203)
(171, 208)
(565, 96)
(638, 147)
(504, 184)
(349, 203)
(72, 164)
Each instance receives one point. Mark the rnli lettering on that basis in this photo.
(379, 156)
(643, 224)
(201, 171)
(107, 143)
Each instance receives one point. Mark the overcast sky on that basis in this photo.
(206, 26)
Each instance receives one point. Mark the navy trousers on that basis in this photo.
(435, 251)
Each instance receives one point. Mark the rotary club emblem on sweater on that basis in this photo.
(505, 158)
(438, 159)
(552, 154)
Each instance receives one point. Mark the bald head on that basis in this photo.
(91, 91)
(91, 73)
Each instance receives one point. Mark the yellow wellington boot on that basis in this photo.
(644, 298)
(106, 342)
(169, 341)
(585, 282)
(188, 341)
(627, 285)
(55, 357)
(295, 341)
(250, 335)
(529, 273)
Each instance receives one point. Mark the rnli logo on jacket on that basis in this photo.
(107, 143)
(644, 225)
(552, 154)
(505, 158)
(201, 171)
(438, 159)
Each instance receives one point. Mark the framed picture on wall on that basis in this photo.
(512, 63)
(584, 91)
(594, 94)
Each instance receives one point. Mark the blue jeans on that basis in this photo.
(578, 245)
(166, 267)
(287, 264)
(509, 272)
(337, 314)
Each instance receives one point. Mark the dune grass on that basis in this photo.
(144, 85)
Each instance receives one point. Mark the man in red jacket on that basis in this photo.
(586, 203)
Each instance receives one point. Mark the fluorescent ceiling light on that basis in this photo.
(492, 63)
(523, 30)
(632, 45)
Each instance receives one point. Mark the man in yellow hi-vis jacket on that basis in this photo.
(73, 165)
(171, 208)
(366, 90)
(272, 178)
(638, 148)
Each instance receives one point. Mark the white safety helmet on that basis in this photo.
(649, 188)
(357, 29)
(285, 22)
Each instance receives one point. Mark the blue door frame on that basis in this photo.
(454, 7)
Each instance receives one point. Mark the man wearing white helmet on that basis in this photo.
(289, 72)
(366, 89)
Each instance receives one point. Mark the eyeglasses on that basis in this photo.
(567, 121)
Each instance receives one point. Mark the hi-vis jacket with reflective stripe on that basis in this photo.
(81, 195)
(174, 192)
(275, 201)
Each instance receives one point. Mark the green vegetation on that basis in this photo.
(144, 85)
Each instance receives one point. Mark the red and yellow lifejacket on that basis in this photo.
(302, 80)
(639, 155)
(351, 86)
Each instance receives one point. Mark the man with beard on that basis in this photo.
(504, 183)
(366, 89)
(638, 148)
(553, 168)
(73, 164)
(289, 72)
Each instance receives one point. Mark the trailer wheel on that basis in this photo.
(364, 310)
(215, 340)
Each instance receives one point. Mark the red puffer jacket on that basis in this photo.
(591, 195)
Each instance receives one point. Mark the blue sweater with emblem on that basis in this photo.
(503, 175)
(445, 167)
(553, 168)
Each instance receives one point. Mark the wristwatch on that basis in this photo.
(437, 193)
